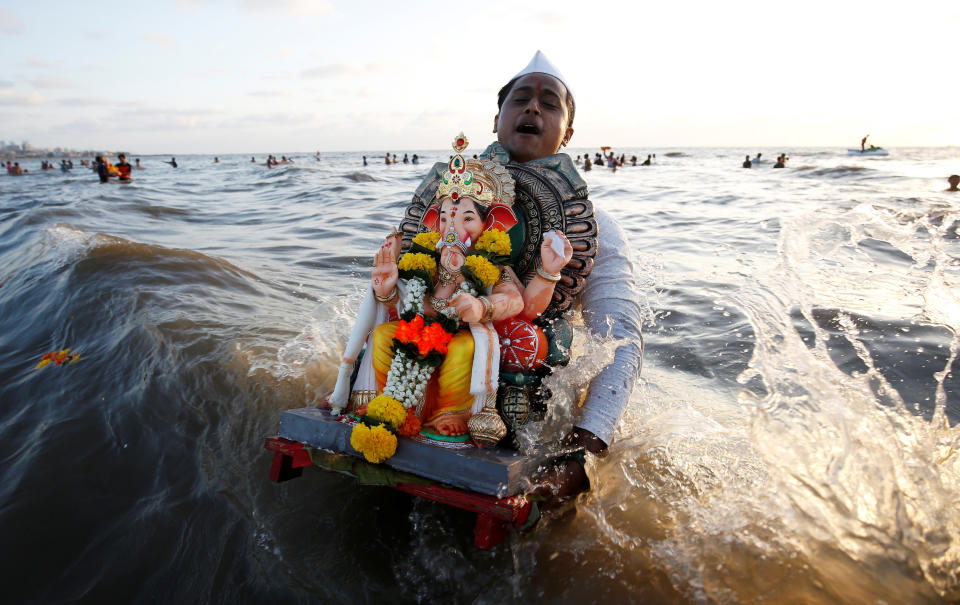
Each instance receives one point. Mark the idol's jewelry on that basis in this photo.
(439, 304)
(504, 277)
(447, 277)
(487, 309)
(388, 298)
(554, 277)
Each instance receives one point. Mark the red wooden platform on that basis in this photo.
(494, 514)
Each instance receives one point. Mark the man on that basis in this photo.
(124, 167)
(103, 171)
(954, 181)
(746, 163)
(534, 121)
(863, 143)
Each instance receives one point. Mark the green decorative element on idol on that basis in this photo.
(451, 438)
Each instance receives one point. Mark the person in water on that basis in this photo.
(954, 181)
(863, 143)
(746, 162)
(534, 121)
(756, 160)
(416, 159)
(138, 166)
(780, 161)
(173, 162)
(103, 171)
(648, 161)
(124, 168)
(364, 160)
(253, 159)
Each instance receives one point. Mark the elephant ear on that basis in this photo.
(431, 218)
(500, 217)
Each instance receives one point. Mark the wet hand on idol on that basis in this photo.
(385, 265)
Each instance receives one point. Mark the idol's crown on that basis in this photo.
(485, 181)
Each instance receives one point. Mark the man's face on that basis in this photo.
(532, 122)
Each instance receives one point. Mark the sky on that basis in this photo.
(258, 76)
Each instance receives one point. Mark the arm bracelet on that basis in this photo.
(388, 298)
(487, 309)
(554, 277)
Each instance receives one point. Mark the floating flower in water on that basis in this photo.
(58, 358)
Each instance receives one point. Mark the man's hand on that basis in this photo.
(578, 437)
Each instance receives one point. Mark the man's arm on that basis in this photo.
(611, 309)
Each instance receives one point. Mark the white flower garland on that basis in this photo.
(407, 379)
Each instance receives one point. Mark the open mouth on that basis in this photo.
(528, 129)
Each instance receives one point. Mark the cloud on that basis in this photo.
(82, 101)
(9, 24)
(341, 70)
(35, 62)
(322, 8)
(11, 97)
(160, 39)
(51, 83)
(266, 94)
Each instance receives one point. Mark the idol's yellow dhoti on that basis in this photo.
(449, 389)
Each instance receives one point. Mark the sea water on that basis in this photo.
(793, 437)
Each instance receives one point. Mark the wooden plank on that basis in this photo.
(492, 471)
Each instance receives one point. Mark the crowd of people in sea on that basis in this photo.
(121, 170)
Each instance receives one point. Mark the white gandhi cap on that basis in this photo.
(540, 64)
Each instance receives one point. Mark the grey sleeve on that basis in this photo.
(611, 309)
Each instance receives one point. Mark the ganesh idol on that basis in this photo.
(430, 368)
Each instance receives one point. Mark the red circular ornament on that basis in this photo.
(523, 346)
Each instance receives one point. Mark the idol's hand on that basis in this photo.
(550, 260)
(385, 265)
(468, 307)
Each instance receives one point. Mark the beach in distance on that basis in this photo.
(793, 437)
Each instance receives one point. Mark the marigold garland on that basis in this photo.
(483, 269)
(434, 338)
(412, 261)
(494, 241)
(410, 426)
(387, 409)
(409, 331)
(427, 239)
(375, 443)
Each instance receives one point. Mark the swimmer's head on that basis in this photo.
(954, 180)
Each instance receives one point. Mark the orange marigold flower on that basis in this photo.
(410, 426)
(409, 331)
(434, 338)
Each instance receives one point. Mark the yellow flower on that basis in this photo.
(417, 260)
(485, 271)
(376, 444)
(494, 240)
(387, 409)
(380, 445)
(359, 437)
(427, 240)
